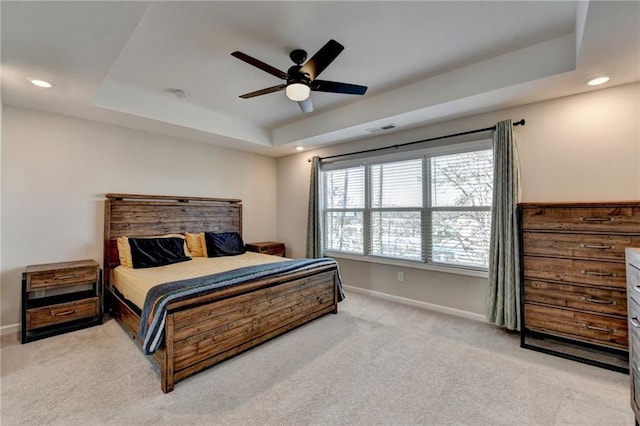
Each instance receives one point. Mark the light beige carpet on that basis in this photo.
(375, 362)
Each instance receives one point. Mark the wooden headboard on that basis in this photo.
(134, 215)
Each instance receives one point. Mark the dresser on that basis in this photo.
(60, 297)
(633, 298)
(573, 279)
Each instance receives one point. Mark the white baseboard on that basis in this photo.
(418, 303)
(8, 329)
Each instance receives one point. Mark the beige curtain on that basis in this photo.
(503, 303)
(314, 238)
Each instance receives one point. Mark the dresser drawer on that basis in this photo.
(611, 332)
(63, 312)
(634, 320)
(634, 370)
(634, 347)
(588, 246)
(583, 219)
(592, 299)
(606, 274)
(61, 277)
(633, 282)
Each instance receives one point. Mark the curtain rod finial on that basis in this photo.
(519, 123)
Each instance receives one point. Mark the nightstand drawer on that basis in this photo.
(61, 277)
(267, 247)
(63, 312)
(273, 251)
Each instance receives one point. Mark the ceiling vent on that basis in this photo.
(384, 128)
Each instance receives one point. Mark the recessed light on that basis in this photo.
(41, 83)
(299, 148)
(598, 81)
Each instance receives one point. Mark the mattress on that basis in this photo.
(134, 284)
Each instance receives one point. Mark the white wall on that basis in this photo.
(56, 170)
(578, 148)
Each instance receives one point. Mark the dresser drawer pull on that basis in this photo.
(65, 313)
(597, 246)
(597, 219)
(598, 273)
(603, 329)
(65, 277)
(634, 322)
(592, 300)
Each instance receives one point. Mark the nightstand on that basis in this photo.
(267, 247)
(60, 297)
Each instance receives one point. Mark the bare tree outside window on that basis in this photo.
(344, 202)
(461, 188)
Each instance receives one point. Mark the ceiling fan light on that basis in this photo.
(298, 92)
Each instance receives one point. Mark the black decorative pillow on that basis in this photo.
(224, 244)
(151, 252)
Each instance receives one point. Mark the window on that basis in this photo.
(343, 204)
(432, 206)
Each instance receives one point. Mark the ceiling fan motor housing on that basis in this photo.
(296, 76)
(298, 56)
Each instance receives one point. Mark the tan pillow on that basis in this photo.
(196, 245)
(124, 249)
(203, 242)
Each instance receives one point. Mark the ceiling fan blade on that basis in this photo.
(259, 64)
(322, 59)
(336, 87)
(306, 106)
(263, 91)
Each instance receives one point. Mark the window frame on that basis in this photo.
(425, 210)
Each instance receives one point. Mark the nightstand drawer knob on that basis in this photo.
(65, 277)
(65, 313)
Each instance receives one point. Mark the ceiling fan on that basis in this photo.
(301, 79)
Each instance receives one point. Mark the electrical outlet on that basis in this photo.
(401, 276)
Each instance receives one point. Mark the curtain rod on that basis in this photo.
(469, 132)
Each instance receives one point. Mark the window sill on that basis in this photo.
(408, 264)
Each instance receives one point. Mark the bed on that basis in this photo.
(203, 328)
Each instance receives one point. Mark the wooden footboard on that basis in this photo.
(199, 335)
